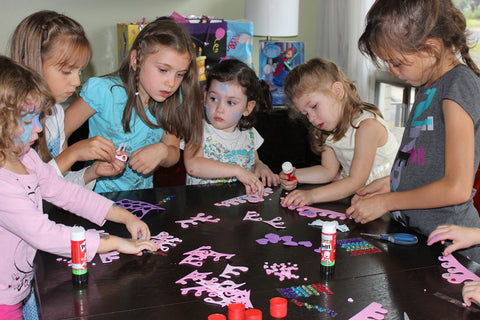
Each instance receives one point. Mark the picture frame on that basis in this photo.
(277, 58)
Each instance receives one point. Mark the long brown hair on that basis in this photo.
(316, 74)
(18, 87)
(181, 113)
(46, 35)
(405, 25)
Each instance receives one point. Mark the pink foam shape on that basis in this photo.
(108, 257)
(255, 216)
(244, 198)
(232, 270)
(312, 212)
(198, 256)
(164, 240)
(252, 216)
(373, 311)
(200, 217)
(193, 276)
(457, 273)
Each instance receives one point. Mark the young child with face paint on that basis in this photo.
(230, 142)
(152, 101)
(25, 180)
(56, 47)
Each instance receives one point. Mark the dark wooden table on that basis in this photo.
(404, 279)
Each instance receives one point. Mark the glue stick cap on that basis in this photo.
(236, 311)
(287, 167)
(77, 233)
(278, 307)
(253, 314)
(329, 227)
(217, 316)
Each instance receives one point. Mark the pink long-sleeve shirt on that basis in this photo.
(24, 228)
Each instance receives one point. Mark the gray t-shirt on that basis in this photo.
(421, 157)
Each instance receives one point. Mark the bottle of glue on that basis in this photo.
(329, 241)
(287, 168)
(79, 257)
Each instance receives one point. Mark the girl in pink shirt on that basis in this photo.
(25, 180)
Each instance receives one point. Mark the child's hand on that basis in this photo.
(298, 198)
(95, 148)
(128, 246)
(366, 209)
(287, 184)
(148, 158)
(471, 292)
(461, 237)
(266, 175)
(251, 182)
(137, 228)
(109, 169)
(378, 186)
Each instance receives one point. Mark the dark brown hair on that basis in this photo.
(405, 25)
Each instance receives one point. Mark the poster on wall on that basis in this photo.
(276, 60)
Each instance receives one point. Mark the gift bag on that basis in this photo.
(126, 34)
(209, 39)
(240, 41)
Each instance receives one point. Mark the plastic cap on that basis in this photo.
(287, 167)
(253, 314)
(217, 316)
(78, 233)
(278, 307)
(329, 226)
(236, 311)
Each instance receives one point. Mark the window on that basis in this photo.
(471, 11)
(394, 99)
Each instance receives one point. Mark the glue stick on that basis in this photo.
(287, 168)
(329, 239)
(79, 257)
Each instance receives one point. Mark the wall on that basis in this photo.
(99, 18)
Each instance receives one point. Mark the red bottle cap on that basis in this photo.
(278, 307)
(236, 311)
(253, 314)
(217, 316)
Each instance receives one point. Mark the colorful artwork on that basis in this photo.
(277, 59)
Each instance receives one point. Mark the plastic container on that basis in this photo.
(236, 311)
(278, 307)
(287, 168)
(329, 240)
(217, 316)
(79, 257)
(253, 314)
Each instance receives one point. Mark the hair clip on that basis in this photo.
(121, 157)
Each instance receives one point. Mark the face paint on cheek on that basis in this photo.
(236, 116)
(25, 135)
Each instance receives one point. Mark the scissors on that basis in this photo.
(398, 238)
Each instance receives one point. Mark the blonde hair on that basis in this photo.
(404, 26)
(47, 35)
(18, 87)
(316, 74)
(181, 113)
